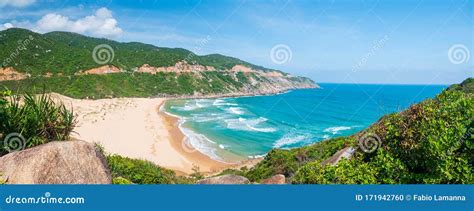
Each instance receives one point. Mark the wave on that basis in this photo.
(257, 156)
(248, 125)
(290, 139)
(221, 102)
(201, 143)
(335, 130)
(235, 110)
(191, 105)
(207, 117)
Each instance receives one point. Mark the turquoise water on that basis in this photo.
(232, 129)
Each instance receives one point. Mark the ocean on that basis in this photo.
(235, 129)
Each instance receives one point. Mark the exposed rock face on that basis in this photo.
(65, 162)
(182, 66)
(276, 179)
(257, 82)
(106, 69)
(242, 68)
(8, 74)
(346, 153)
(225, 179)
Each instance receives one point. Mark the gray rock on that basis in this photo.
(346, 153)
(275, 179)
(225, 179)
(58, 162)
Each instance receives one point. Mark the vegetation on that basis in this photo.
(467, 86)
(126, 170)
(129, 85)
(431, 142)
(2, 181)
(67, 53)
(121, 181)
(52, 61)
(287, 162)
(33, 120)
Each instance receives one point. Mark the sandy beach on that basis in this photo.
(136, 128)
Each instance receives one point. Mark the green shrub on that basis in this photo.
(430, 142)
(2, 181)
(429, 139)
(345, 172)
(121, 181)
(287, 162)
(38, 120)
(141, 171)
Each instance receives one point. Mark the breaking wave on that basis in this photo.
(248, 125)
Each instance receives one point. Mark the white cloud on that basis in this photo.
(6, 26)
(16, 3)
(102, 24)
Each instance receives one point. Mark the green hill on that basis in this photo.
(67, 53)
(53, 61)
(430, 142)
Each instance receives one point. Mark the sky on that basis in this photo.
(341, 41)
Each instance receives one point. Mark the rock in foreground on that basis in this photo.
(65, 162)
(225, 179)
(276, 179)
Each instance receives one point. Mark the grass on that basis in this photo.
(127, 170)
(33, 120)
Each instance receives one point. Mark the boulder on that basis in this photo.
(58, 162)
(346, 153)
(225, 179)
(275, 179)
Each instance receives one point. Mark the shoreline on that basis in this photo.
(138, 129)
(178, 141)
(233, 95)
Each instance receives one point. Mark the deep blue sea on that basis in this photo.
(232, 129)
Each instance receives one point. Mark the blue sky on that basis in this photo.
(403, 42)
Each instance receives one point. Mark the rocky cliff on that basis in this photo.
(65, 162)
(85, 67)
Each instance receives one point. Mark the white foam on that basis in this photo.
(335, 130)
(256, 156)
(221, 102)
(248, 124)
(235, 110)
(201, 143)
(289, 139)
(218, 102)
(191, 105)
